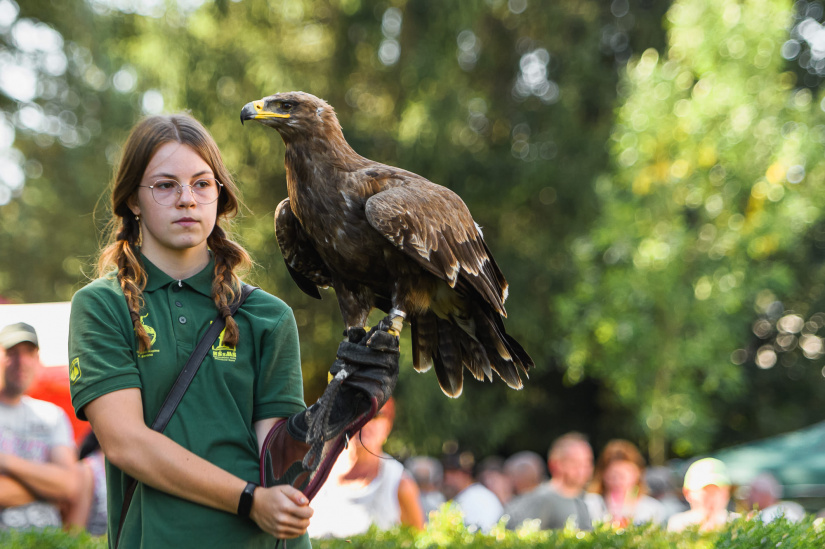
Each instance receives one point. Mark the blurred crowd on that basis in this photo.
(617, 488)
(46, 481)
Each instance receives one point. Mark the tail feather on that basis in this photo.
(424, 334)
(448, 362)
(514, 349)
(476, 341)
(472, 354)
(507, 357)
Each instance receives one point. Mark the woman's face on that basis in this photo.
(185, 224)
(374, 434)
(621, 475)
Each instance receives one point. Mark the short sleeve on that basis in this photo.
(101, 352)
(279, 390)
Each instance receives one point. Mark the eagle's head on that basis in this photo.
(294, 114)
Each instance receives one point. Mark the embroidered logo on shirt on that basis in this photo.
(74, 370)
(222, 351)
(153, 336)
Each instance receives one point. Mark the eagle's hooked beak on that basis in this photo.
(255, 111)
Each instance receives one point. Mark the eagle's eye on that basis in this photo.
(286, 105)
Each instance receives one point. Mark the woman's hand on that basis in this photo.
(282, 511)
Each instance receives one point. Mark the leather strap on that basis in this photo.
(187, 374)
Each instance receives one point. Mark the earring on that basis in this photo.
(137, 217)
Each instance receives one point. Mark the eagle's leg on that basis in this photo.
(355, 305)
(397, 317)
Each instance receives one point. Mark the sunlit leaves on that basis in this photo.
(711, 184)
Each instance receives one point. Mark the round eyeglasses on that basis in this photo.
(168, 191)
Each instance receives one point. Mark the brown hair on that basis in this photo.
(122, 253)
(618, 450)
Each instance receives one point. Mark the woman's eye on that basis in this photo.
(203, 184)
(164, 185)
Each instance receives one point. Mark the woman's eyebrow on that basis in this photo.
(172, 176)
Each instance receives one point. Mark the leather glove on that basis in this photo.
(301, 450)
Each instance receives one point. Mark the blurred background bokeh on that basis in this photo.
(648, 174)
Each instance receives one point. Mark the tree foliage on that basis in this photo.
(636, 268)
(717, 170)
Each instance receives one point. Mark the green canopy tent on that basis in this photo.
(796, 459)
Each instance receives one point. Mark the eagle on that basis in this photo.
(387, 238)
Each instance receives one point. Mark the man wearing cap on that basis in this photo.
(707, 491)
(37, 452)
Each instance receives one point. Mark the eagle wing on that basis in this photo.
(432, 225)
(302, 260)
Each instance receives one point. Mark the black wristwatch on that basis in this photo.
(245, 503)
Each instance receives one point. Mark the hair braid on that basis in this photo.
(226, 284)
(130, 274)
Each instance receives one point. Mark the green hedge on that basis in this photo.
(51, 538)
(446, 530)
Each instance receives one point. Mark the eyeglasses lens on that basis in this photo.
(167, 191)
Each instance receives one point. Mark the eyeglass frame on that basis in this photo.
(180, 190)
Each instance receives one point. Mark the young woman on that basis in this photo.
(168, 271)
(619, 479)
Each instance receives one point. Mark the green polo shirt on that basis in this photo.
(260, 378)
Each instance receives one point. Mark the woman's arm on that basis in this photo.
(159, 462)
(262, 429)
(409, 500)
(77, 514)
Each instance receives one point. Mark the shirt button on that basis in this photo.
(182, 319)
(178, 304)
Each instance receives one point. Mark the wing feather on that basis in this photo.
(302, 260)
(432, 225)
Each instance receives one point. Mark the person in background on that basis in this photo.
(490, 473)
(89, 511)
(481, 507)
(526, 471)
(661, 487)
(764, 497)
(560, 501)
(707, 491)
(37, 451)
(367, 486)
(619, 480)
(429, 475)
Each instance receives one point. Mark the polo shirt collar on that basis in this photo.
(200, 282)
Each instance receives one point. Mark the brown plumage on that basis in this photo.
(388, 238)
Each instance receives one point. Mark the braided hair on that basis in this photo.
(122, 253)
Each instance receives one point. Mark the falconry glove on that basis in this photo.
(301, 450)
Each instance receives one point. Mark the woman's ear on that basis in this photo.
(132, 204)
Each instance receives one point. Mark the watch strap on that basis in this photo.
(245, 502)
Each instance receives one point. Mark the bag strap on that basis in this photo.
(187, 374)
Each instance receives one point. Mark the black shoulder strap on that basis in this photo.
(191, 368)
(181, 385)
